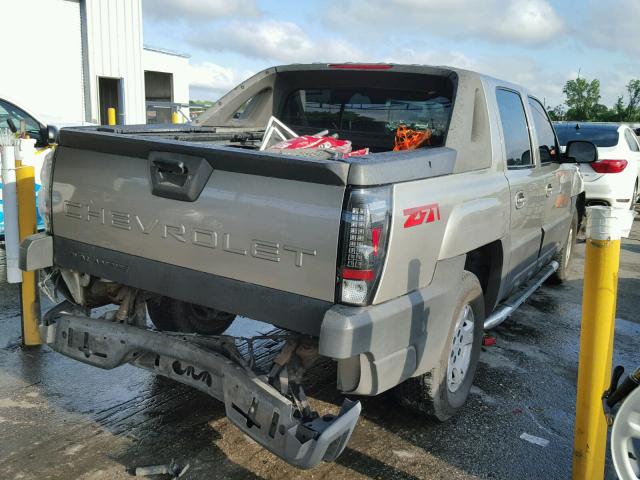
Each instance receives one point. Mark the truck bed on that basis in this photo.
(260, 238)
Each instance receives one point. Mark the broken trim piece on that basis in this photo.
(254, 406)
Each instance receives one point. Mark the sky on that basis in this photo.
(536, 43)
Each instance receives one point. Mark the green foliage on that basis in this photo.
(582, 103)
(558, 113)
(582, 98)
(201, 103)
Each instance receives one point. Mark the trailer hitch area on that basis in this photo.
(257, 408)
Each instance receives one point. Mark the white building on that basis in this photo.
(73, 59)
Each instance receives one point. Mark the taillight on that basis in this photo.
(609, 166)
(365, 227)
(361, 66)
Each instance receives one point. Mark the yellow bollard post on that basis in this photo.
(111, 116)
(25, 184)
(175, 117)
(602, 259)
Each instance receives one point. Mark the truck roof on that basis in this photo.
(441, 70)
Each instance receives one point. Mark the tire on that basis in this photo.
(634, 197)
(440, 393)
(168, 314)
(3, 265)
(565, 255)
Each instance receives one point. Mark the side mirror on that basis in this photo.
(52, 134)
(581, 151)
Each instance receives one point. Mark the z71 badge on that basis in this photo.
(423, 214)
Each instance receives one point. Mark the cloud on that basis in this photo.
(422, 55)
(613, 28)
(209, 81)
(519, 69)
(273, 40)
(528, 22)
(197, 11)
(523, 22)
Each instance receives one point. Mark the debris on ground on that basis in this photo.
(543, 442)
(488, 341)
(173, 469)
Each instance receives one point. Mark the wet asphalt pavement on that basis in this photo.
(60, 419)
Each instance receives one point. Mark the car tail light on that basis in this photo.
(609, 166)
(365, 230)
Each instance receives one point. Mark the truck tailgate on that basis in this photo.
(274, 231)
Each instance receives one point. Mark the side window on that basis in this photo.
(544, 133)
(249, 108)
(10, 117)
(632, 142)
(514, 125)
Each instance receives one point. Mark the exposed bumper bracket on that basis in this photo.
(254, 406)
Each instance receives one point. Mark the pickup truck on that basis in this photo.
(390, 263)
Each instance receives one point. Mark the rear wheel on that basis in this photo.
(441, 392)
(172, 315)
(3, 265)
(564, 256)
(634, 197)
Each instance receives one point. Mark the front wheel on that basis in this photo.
(441, 392)
(168, 314)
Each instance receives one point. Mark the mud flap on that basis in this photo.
(254, 406)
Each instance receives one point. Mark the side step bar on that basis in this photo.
(253, 405)
(506, 308)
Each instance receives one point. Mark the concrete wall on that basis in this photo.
(59, 48)
(42, 58)
(114, 49)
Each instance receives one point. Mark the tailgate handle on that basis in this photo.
(178, 176)
(175, 167)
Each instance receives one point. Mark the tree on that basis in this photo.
(601, 113)
(619, 111)
(582, 98)
(557, 113)
(633, 91)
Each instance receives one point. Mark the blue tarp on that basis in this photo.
(39, 217)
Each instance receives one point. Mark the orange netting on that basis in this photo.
(410, 139)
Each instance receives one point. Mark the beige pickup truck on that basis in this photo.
(391, 262)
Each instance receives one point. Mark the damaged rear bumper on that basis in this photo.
(254, 406)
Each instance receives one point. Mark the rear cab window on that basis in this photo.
(515, 129)
(602, 135)
(370, 113)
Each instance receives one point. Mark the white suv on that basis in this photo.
(613, 180)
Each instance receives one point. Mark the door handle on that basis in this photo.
(549, 190)
(521, 200)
